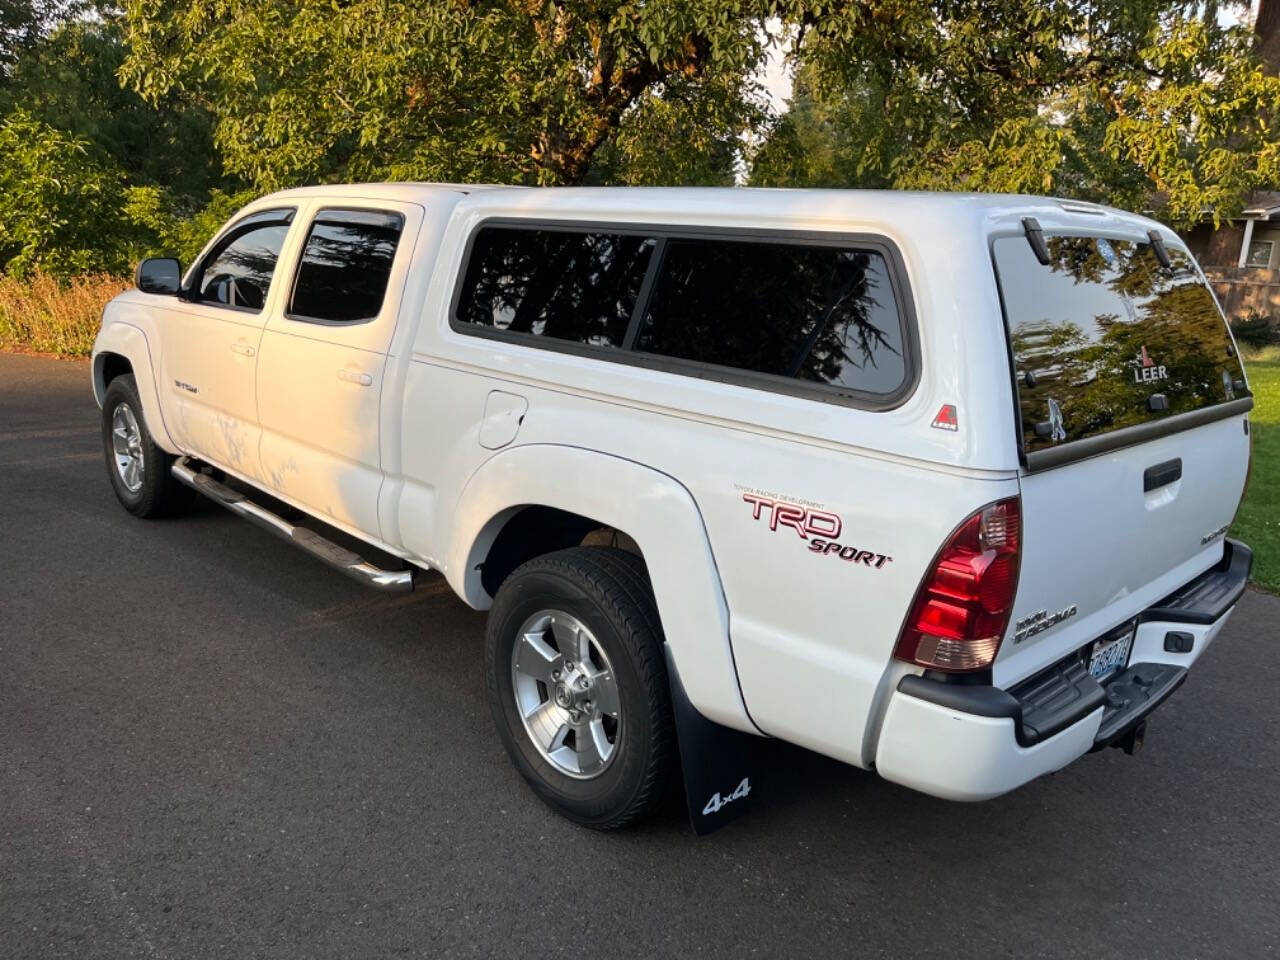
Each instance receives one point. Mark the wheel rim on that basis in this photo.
(126, 447)
(566, 694)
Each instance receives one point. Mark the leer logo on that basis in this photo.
(1147, 370)
(946, 418)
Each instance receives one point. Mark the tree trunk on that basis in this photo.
(1267, 29)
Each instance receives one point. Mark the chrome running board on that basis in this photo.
(340, 558)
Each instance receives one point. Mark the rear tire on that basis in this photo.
(138, 469)
(577, 682)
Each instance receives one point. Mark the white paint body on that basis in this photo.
(432, 437)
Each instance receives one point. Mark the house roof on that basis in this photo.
(1263, 205)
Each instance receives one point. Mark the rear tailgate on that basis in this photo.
(1134, 432)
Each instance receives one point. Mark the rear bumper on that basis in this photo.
(974, 742)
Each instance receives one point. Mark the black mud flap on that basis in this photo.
(720, 778)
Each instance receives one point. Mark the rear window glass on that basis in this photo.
(580, 287)
(1104, 337)
(345, 266)
(818, 313)
(823, 314)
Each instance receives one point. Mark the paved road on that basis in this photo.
(211, 746)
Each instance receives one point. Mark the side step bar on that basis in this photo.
(340, 558)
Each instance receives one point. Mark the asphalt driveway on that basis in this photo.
(213, 746)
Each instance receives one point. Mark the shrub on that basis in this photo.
(61, 205)
(1253, 330)
(49, 315)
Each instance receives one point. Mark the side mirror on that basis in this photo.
(162, 275)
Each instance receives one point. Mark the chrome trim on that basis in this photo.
(341, 559)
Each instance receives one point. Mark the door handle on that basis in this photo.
(244, 349)
(1161, 474)
(350, 376)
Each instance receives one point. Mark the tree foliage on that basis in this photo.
(61, 207)
(24, 22)
(500, 90)
(69, 80)
(120, 123)
(1142, 103)
(91, 175)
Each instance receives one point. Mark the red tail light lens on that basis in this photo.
(962, 608)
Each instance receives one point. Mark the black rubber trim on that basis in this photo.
(1132, 695)
(1128, 436)
(1035, 237)
(981, 701)
(1205, 599)
(1043, 706)
(1161, 474)
(1055, 699)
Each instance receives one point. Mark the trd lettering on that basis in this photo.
(799, 519)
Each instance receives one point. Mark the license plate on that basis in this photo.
(1110, 655)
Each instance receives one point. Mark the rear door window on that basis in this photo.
(1104, 337)
(346, 263)
(824, 314)
(560, 284)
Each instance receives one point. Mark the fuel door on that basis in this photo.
(503, 414)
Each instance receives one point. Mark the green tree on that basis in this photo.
(1142, 103)
(62, 206)
(24, 22)
(69, 80)
(505, 90)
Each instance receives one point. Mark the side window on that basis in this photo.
(237, 272)
(575, 286)
(818, 313)
(346, 263)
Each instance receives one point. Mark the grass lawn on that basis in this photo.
(1258, 523)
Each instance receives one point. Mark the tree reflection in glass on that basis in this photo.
(1103, 328)
(239, 275)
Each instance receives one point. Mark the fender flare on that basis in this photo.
(131, 343)
(656, 510)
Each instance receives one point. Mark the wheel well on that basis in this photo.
(535, 530)
(113, 365)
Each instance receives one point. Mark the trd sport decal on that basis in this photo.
(818, 527)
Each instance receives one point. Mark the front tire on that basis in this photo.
(138, 468)
(577, 682)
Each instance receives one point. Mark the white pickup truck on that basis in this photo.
(933, 484)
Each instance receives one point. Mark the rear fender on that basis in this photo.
(651, 507)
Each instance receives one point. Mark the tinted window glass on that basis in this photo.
(571, 286)
(1101, 329)
(819, 313)
(346, 262)
(238, 271)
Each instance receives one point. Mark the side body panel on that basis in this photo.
(320, 389)
(207, 382)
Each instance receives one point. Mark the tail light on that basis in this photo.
(962, 608)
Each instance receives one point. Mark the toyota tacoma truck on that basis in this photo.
(936, 485)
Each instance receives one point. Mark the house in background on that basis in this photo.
(1241, 258)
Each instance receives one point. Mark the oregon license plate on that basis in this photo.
(1110, 654)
